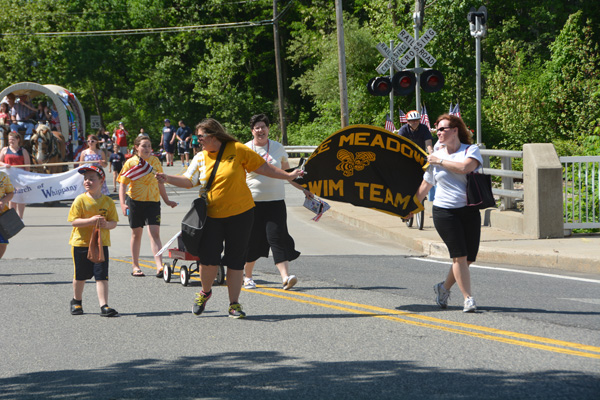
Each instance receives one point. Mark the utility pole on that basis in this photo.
(418, 20)
(342, 64)
(477, 26)
(278, 72)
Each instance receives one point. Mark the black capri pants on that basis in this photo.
(234, 231)
(460, 229)
(270, 232)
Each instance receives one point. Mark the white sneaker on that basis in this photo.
(469, 305)
(441, 295)
(289, 282)
(249, 283)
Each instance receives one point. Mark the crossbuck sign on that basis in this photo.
(416, 48)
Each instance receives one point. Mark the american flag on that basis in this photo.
(450, 110)
(425, 118)
(402, 116)
(389, 125)
(456, 111)
(138, 171)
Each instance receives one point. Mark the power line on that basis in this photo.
(145, 31)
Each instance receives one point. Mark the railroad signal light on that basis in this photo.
(404, 83)
(432, 81)
(380, 86)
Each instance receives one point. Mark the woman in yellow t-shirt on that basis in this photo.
(139, 195)
(7, 191)
(230, 208)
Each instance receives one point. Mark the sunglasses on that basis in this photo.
(443, 128)
(91, 141)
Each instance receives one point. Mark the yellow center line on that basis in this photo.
(450, 326)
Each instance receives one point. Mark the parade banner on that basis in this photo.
(32, 187)
(368, 167)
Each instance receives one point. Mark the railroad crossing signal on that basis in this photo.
(391, 57)
(417, 48)
(404, 81)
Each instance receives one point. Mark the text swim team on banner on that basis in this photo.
(368, 167)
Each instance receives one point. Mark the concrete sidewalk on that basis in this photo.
(580, 253)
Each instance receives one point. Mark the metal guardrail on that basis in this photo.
(581, 192)
(303, 150)
(507, 192)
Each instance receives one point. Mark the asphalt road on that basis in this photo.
(361, 323)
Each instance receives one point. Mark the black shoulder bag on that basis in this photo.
(192, 225)
(10, 223)
(479, 190)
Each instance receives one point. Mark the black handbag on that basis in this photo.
(10, 223)
(192, 225)
(479, 191)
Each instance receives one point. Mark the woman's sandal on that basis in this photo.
(137, 272)
(159, 274)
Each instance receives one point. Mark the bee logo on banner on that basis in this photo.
(368, 167)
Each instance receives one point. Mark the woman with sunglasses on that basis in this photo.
(95, 155)
(458, 225)
(230, 208)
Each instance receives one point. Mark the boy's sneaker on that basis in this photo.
(235, 311)
(200, 302)
(289, 282)
(76, 307)
(249, 283)
(441, 295)
(106, 311)
(469, 305)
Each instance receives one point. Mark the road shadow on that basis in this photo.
(272, 375)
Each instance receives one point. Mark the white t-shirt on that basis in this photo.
(262, 187)
(450, 187)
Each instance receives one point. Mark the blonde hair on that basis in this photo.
(212, 127)
(15, 135)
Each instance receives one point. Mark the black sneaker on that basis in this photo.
(235, 311)
(200, 302)
(76, 307)
(106, 311)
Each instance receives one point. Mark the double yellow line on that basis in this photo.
(424, 321)
(482, 332)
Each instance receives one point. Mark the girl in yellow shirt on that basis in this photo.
(139, 195)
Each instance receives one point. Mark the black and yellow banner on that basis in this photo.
(368, 167)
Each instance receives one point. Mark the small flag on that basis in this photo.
(425, 118)
(451, 109)
(138, 171)
(389, 125)
(402, 116)
(456, 111)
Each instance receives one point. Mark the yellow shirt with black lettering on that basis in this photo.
(146, 187)
(84, 206)
(6, 187)
(229, 194)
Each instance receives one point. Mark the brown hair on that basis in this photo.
(212, 127)
(456, 122)
(138, 140)
(94, 137)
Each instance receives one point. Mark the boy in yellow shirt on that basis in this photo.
(86, 210)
